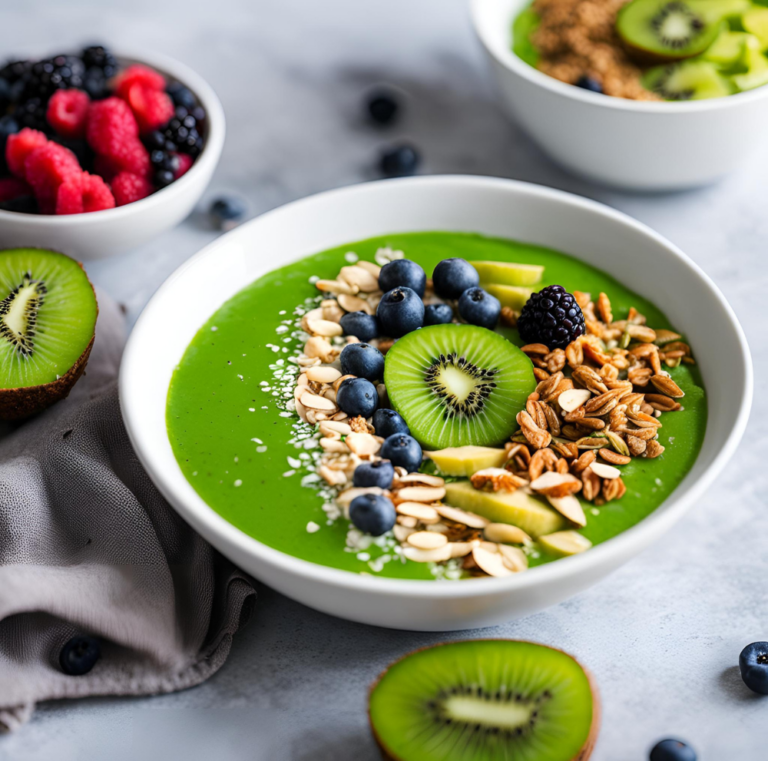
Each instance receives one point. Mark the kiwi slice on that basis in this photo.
(755, 21)
(485, 700)
(464, 461)
(508, 273)
(690, 80)
(512, 296)
(47, 320)
(655, 31)
(729, 51)
(458, 384)
(756, 67)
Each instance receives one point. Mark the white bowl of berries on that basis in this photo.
(102, 153)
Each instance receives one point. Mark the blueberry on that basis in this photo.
(387, 423)
(357, 396)
(400, 311)
(226, 212)
(453, 276)
(437, 314)
(163, 178)
(753, 664)
(372, 514)
(478, 307)
(402, 450)
(400, 161)
(672, 750)
(588, 83)
(363, 361)
(361, 325)
(403, 272)
(79, 655)
(382, 107)
(379, 473)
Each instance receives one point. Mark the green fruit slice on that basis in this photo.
(485, 700)
(464, 461)
(517, 508)
(691, 80)
(507, 273)
(729, 50)
(756, 22)
(47, 320)
(512, 296)
(756, 74)
(458, 384)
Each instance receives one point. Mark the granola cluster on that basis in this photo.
(578, 38)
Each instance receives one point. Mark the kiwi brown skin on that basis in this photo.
(21, 403)
(589, 744)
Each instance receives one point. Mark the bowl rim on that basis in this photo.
(208, 158)
(507, 58)
(606, 553)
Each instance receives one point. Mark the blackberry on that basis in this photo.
(57, 73)
(32, 113)
(162, 178)
(14, 74)
(163, 160)
(100, 67)
(182, 130)
(182, 96)
(551, 317)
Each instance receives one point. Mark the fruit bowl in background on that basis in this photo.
(638, 145)
(100, 234)
(587, 230)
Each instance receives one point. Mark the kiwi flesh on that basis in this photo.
(508, 273)
(48, 316)
(464, 461)
(517, 508)
(690, 80)
(485, 700)
(458, 384)
(755, 67)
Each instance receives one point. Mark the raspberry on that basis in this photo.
(69, 196)
(127, 188)
(152, 108)
(96, 193)
(45, 169)
(132, 157)
(551, 317)
(185, 162)
(11, 188)
(106, 167)
(68, 111)
(19, 146)
(110, 123)
(137, 74)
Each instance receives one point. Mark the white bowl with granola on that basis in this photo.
(245, 425)
(635, 144)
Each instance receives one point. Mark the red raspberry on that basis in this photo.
(132, 157)
(185, 162)
(11, 188)
(110, 124)
(106, 167)
(152, 108)
(19, 146)
(45, 169)
(67, 112)
(96, 193)
(137, 74)
(69, 196)
(127, 188)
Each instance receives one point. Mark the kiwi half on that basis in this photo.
(458, 384)
(47, 320)
(689, 80)
(485, 700)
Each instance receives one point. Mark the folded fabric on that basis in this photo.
(104, 589)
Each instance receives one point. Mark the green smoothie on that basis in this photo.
(251, 460)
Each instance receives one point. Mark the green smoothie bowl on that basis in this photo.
(435, 403)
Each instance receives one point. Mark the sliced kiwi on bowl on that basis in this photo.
(509, 273)
(485, 700)
(458, 384)
(48, 316)
(689, 80)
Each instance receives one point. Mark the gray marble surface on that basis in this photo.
(663, 634)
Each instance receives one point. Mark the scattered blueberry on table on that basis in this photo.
(373, 514)
(402, 450)
(672, 750)
(226, 212)
(383, 107)
(753, 664)
(399, 161)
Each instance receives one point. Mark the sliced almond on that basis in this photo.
(490, 562)
(605, 471)
(329, 427)
(550, 480)
(336, 286)
(424, 513)
(573, 399)
(471, 520)
(323, 374)
(514, 558)
(427, 540)
(421, 478)
(505, 533)
(570, 507)
(345, 498)
(566, 542)
(402, 532)
(362, 443)
(407, 521)
(460, 549)
(421, 493)
(374, 269)
(354, 304)
(360, 278)
(324, 328)
(337, 446)
(318, 346)
(332, 477)
(314, 402)
(428, 556)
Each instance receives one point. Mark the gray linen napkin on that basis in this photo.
(88, 546)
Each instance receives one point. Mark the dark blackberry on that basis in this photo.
(182, 130)
(14, 74)
(162, 178)
(99, 57)
(551, 317)
(51, 74)
(8, 126)
(182, 96)
(31, 113)
(162, 160)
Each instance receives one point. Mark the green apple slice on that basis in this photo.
(508, 273)
(464, 461)
(513, 296)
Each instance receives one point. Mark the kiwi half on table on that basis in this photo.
(485, 700)
(458, 384)
(48, 316)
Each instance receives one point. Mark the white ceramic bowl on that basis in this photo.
(630, 144)
(593, 232)
(100, 234)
